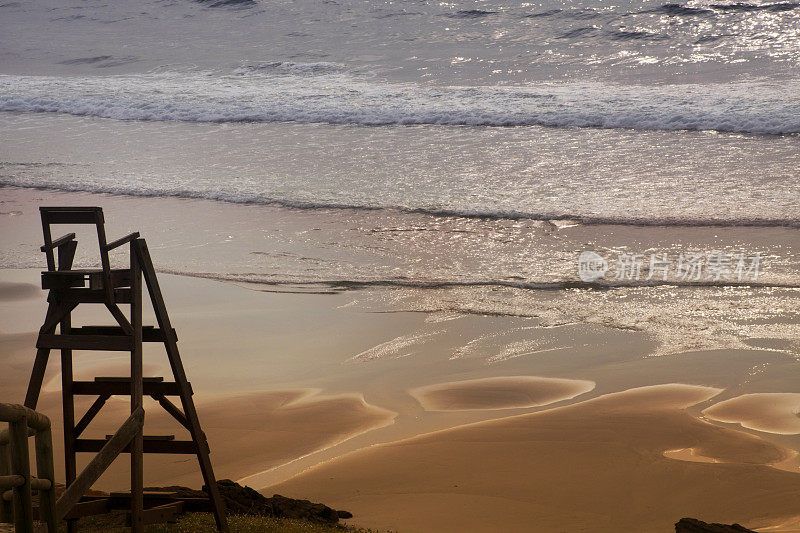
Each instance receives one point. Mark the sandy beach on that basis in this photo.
(420, 420)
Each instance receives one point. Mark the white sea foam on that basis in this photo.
(312, 93)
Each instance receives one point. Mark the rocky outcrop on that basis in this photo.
(246, 501)
(692, 525)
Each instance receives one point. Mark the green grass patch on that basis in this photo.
(204, 523)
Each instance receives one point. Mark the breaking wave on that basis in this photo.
(322, 92)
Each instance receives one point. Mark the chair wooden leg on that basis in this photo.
(42, 356)
(137, 391)
(37, 377)
(68, 407)
(206, 469)
(171, 345)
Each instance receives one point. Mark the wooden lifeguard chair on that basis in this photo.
(113, 287)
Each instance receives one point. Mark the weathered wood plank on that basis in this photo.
(123, 388)
(143, 254)
(66, 254)
(84, 295)
(149, 333)
(89, 415)
(121, 500)
(172, 409)
(118, 315)
(61, 241)
(56, 280)
(68, 410)
(89, 508)
(126, 379)
(115, 343)
(137, 516)
(178, 447)
(72, 215)
(119, 242)
(107, 453)
(54, 310)
(153, 437)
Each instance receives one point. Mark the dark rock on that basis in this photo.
(302, 509)
(244, 500)
(692, 525)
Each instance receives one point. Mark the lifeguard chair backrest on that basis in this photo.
(72, 215)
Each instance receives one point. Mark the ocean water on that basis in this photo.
(461, 153)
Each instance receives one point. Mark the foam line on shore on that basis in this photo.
(351, 284)
(10, 180)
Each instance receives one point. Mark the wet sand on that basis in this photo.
(499, 393)
(771, 412)
(594, 466)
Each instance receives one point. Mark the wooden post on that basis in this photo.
(46, 470)
(137, 392)
(68, 408)
(40, 363)
(6, 513)
(66, 254)
(20, 465)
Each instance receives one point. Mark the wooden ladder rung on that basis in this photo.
(152, 437)
(178, 447)
(156, 497)
(77, 278)
(149, 333)
(126, 379)
(89, 296)
(122, 387)
(111, 338)
(89, 508)
(65, 280)
(112, 343)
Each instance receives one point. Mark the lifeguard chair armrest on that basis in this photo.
(123, 240)
(61, 241)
